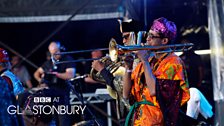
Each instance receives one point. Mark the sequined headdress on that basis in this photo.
(164, 28)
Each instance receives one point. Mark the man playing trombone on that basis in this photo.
(158, 84)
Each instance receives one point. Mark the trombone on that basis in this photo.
(116, 50)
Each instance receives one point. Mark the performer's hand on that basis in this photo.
(128, 61)
(143, 55)
(97, 65)
(55, 73)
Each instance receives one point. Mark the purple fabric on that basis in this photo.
(169, 94)
(165, 28)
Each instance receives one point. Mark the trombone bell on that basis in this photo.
(113, 50)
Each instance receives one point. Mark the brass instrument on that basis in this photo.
(111, 63)
(115, 50)
(110, 66)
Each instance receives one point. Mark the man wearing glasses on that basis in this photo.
(115, 84)
(158, 84)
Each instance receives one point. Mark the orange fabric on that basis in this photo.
(171, 67)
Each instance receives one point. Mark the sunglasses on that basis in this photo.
(125, 36)
(150, 35)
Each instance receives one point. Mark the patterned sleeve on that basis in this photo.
(169, 94)
(175, 70)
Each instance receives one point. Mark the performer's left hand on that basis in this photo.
(97, 65)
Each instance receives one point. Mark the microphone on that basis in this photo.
(79, 77)
(53, 60)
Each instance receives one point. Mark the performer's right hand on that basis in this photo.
(97, 65)
(144, 55)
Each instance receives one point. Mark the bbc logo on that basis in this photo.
(42, 99)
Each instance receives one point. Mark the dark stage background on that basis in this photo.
(190, 16)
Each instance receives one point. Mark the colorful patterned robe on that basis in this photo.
(168, 71)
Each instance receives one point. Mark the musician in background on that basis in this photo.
(90, 84)
(61, 71)
(94, 54)
(158, 84)
(114, 84)
(10, 87)
(14, 83)
(55, 76)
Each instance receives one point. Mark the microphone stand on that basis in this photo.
(81, 99)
